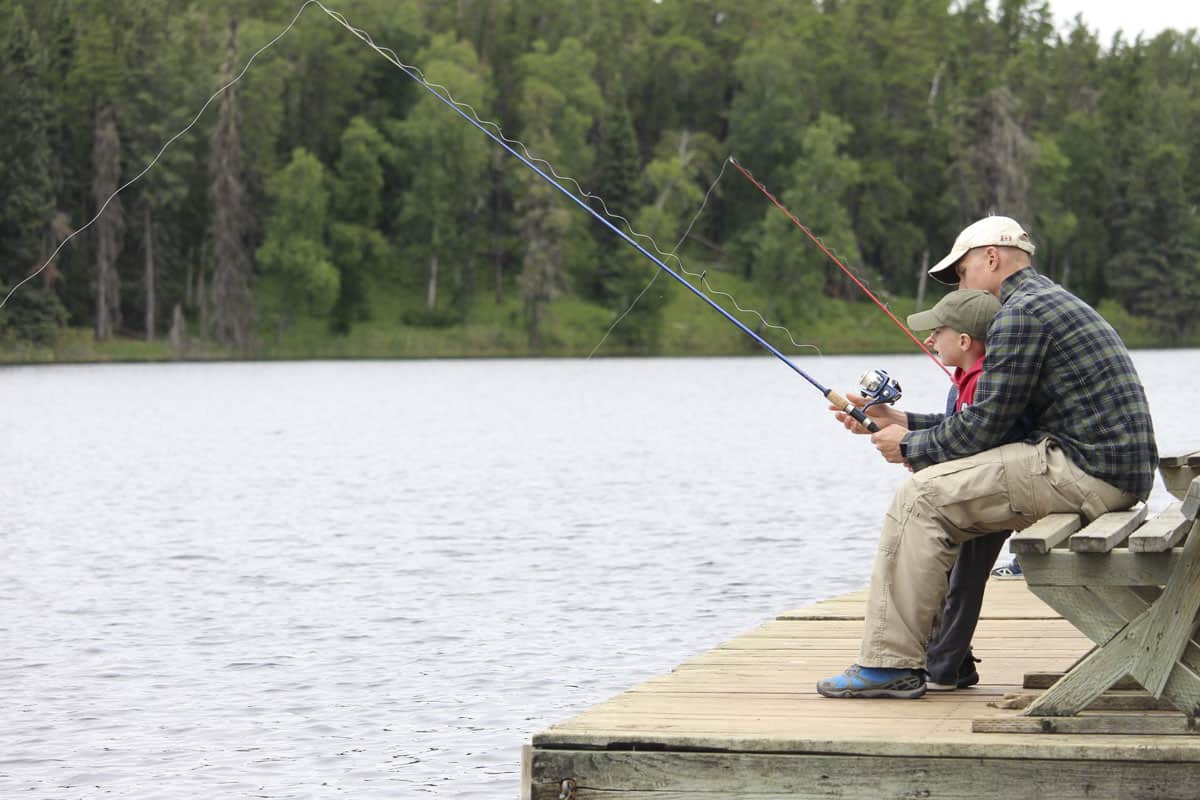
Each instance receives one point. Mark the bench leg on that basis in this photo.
(1172, 620)
(1155, 647)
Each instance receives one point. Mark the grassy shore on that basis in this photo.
(572, 328)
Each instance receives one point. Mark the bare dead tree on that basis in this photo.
(543, 278)
(178, 333)
(149, 278)
(231, 320)
(110, 227)
(1004, 156)
(932, 110)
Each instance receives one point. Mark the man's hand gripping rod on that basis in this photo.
(845, 405)
(876, 385)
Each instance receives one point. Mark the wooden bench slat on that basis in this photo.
(1162, 532)
(1182, 460)
(1117, 568)
(1191, 502)
(1178, 472)
(1108, 530)
(1045, 534)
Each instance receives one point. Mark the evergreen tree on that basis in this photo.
(674, 184)
(231, 294)
(359, 249)
(1157, 272)
(26, 182)
(109, 228)
(618, 168)
(558, 101)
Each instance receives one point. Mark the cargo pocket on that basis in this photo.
(974, 494)
(1023, 463)
(1058, 485)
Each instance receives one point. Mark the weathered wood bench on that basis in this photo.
(1132, 586)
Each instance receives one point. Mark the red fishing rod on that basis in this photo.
(820, 245)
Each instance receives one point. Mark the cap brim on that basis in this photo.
(944, 272)
(923, 320)
(947, 275)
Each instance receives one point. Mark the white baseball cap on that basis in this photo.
(989, 231)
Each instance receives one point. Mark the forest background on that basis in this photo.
(328, 206)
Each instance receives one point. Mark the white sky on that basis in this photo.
(1131, 16)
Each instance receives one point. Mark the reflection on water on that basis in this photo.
(380, 579)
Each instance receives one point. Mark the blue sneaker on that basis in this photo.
(903, 684)
(1010, 571)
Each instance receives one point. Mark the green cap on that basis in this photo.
(968, 311)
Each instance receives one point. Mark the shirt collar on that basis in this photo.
(1014, 281)
(961, 375)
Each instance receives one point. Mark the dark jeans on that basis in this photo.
(950, 644)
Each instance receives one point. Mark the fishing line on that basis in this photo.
(700, 276)
(153, 161)
(841, 266)
(443, 94)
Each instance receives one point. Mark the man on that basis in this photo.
(1090, 449)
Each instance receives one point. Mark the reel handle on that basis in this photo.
(845, 405)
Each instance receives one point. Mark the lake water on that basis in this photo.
(379, 579)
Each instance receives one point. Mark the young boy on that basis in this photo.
(958, 327)
(959, 324)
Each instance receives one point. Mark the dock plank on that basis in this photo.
(642, 776)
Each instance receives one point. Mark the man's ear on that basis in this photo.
(965, 341)
(994, 259)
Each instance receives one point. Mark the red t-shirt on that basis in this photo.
(965, 380)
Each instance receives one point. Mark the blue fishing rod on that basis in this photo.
(834, 397)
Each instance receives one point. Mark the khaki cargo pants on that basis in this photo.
(938, 508)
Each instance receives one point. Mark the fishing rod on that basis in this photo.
(834, 397)
(865, 381)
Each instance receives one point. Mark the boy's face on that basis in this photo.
(951, 346)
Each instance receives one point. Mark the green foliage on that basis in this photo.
(444, 163)
(358, 249)
(295, 254)
(376, 213)
(33, 315)
(1055, 222)
(673, 185)
(1157, 271)
(793, 270)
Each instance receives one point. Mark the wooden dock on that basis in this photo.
(744, 721)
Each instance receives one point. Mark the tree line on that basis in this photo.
(327, 185)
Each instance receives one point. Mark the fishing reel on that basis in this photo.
(879, 387)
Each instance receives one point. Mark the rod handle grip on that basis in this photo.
(845, 405)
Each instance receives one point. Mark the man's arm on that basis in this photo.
(1016, 349)
(918, 421)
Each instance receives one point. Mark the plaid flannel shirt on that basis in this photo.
(1053, 358)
